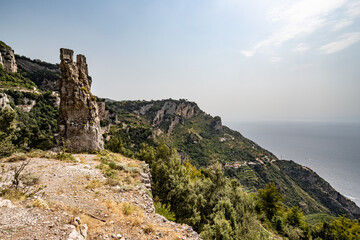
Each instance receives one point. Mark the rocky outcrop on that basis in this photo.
(179, 111)
(216, 124)
(28, 104)
(7, 58)
(4, 101)
(78, 123)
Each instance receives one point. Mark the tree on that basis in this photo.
(295, 217)
(7, 122)
(270, 200)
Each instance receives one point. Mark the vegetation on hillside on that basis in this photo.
(14, 80)
(200, 140)
(218, 208)
(195, 188)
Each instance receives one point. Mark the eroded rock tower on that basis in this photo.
(78, 123)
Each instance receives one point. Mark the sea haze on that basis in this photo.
(330, 149)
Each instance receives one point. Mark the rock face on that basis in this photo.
(181, 112)
(45, 75)
(319, 189)
(78, 123)
(216, 124)
(4, 101)
(7, 58)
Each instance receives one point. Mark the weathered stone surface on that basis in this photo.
(79, 123)
(6, 203)
(46, 79)
(181, 112)
(7, 58)
(216, 124)
(4, 101)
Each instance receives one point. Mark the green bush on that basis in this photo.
(7, 129)
(64, 156)
(164, 210)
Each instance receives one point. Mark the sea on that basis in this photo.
(332, 150)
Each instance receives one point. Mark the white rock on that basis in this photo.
(6, 203)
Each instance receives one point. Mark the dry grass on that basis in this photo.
(95, 183)
(95, 226)
(73, 210)
(13, 195)
(149, 228)
(128, 209)
(40, 203)
(16, 157)
(40, 154)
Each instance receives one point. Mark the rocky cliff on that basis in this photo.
(44, 75)
(7, 58)
(319, 189)
(78, 123)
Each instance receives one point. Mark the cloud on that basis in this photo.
(354, 9)
(352, 12)
(248, 53)
(345, 41)
(342, 24)
(298, 19)
(301, 47)
(275, 59)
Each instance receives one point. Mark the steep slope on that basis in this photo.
(204, 140)
(185, 126)
(44, 75)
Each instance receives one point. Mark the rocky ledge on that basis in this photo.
(78, 201)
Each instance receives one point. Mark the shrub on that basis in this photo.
(63, 156)
(164, 210)
(128, 209)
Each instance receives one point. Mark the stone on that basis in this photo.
(74, 234)
(181, 111)
(79, 122)
(216, 124)
(83, 230)
(7, 58)
(6, 203)
(4, 101)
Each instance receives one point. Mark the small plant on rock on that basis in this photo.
(21, 185)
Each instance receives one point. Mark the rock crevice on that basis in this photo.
(79, 123)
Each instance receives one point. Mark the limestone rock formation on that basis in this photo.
(7, 58)
(45, 75)
(79, 123)
(4, 101)
(216, 124)
(181, 112)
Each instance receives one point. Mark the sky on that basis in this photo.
(268, 60)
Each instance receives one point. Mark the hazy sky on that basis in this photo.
(241, 60)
